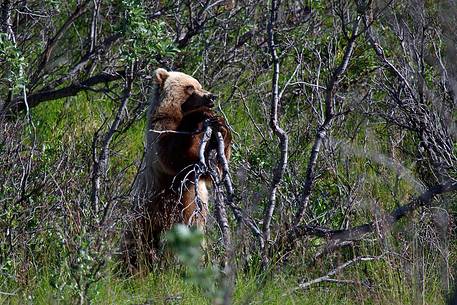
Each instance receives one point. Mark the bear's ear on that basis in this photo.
(160, 76)
(190, 89)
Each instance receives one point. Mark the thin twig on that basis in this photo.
(52, 43)
(101, 162)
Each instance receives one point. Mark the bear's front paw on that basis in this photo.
(217, 123)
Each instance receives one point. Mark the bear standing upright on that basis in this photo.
(165, 192)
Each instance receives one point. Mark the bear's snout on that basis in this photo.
(210, 99)
(196, 101)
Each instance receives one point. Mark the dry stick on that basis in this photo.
(220, 208)
(220, 212)
(240, 217)
(229, 266)
(327, 277)
(228, 280)
(222, 160)
(325, 126)
(280, 168)
(201, 167)
(94, 24)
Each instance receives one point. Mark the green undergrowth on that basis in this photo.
(173, 287)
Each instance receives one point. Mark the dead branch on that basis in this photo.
(338, 238)
(324, 128)
(201, 167)
(224, 177)
(240, 216)
(220, 212)
(328, 276)
(34, 99)
(410, 107)
(280, 168)
(87, 59)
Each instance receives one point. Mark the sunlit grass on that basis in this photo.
(387, 286)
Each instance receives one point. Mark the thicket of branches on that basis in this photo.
(343, 115)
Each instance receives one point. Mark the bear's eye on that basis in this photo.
(190, 89)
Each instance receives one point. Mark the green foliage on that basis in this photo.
(72, 123)
(318, 5)
(186, 243)
(12, 63)
(144, 39)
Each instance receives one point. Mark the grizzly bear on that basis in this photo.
(165, 191)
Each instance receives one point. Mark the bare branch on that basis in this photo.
(327, 277)
(280, 168)
(46, 55)
(101, 162)
(94, 24)
(86, 59)
(72, 90)
(237, 212)
(336, 238)
(220, 211)
(323, 129)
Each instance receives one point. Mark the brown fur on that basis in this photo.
(164, 189)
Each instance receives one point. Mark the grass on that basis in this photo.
(173, 287)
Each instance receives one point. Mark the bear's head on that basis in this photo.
(179, 92)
